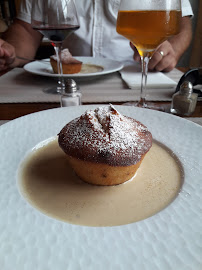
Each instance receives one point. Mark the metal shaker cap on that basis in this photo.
(71, 86)
(186, 87)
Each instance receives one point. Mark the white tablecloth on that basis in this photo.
(19, 86)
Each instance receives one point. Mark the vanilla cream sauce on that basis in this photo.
(89, 68)
(49, 184)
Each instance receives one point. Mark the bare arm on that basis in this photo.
(20, 40)
(172, 49)
(181, 42)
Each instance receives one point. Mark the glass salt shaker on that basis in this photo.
(184, 101)
(71, 95)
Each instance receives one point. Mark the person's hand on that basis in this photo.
(7, 54)
(164, 58)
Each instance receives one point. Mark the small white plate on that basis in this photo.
(168, 240)
(44, 68)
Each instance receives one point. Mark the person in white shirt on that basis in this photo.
(96, 37)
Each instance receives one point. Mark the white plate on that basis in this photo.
(44, 68)
(170, 239)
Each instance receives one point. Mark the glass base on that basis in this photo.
(147, 105)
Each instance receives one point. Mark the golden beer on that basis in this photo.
(147, 29)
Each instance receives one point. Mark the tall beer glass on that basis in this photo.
(147, 24)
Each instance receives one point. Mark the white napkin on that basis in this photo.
(131, 74)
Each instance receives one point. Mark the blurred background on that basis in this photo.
(192, 57)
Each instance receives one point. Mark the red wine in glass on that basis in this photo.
(57, 33)
(56, 20)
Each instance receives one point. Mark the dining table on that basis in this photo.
(21, 93)
(34, 238)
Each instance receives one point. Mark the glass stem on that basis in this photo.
(144, 61)
(61, 83)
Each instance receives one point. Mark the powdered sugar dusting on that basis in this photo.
(104, 135)
(66, 57)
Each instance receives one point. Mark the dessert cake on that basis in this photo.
(70, 65)
(104, 147)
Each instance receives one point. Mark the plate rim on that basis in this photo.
(139, 232)
(117, 66)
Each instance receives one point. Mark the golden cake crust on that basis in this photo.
(70, 65)
(102, 174)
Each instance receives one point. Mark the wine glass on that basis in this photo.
(56, 20)
(147, 24)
